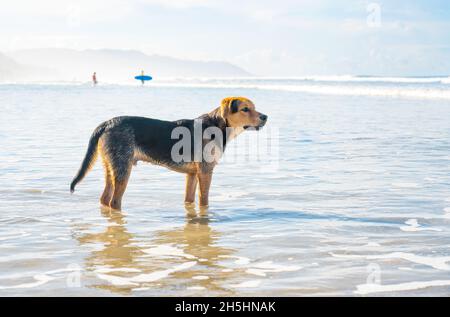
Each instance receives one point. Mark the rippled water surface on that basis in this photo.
(359, 203)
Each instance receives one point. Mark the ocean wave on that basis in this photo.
(371, 79)
(392, 87)
(365, 289)
(331, 78)
(436, 262)
(335, 78)
(340, 90)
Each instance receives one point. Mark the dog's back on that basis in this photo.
(153, 138)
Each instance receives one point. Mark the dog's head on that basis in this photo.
(239, 112)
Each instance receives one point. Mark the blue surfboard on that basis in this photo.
(144, 78)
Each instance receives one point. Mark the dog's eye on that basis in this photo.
(245, 109)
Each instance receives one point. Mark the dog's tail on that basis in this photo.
(90, 157)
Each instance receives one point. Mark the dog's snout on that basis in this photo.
(262, 117)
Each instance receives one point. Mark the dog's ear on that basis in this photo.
(234, 104)
(229, 105)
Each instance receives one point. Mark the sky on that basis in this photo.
(266, 38)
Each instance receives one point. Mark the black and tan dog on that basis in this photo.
(123, 141)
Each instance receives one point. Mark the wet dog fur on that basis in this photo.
(122, 141)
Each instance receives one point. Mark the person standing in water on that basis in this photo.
(143, 78)
(94, 79)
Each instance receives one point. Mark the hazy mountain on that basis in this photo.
(116, 65)
(8, 68)
(11, 70)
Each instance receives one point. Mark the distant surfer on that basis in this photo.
(143, 78)
(142, 75)
(94, 79)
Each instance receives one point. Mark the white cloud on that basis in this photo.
(84, 10)
(178, 4)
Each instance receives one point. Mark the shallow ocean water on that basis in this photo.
(357, 204)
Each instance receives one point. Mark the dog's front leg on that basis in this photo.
(204, 180)
(191, 186)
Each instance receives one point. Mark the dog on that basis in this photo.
(123, 141)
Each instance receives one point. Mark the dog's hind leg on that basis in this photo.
(106, 197)
(191, 186)
(119, 153)
(204, 180)
(120, 182)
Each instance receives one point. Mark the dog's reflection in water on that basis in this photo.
(184, 258)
